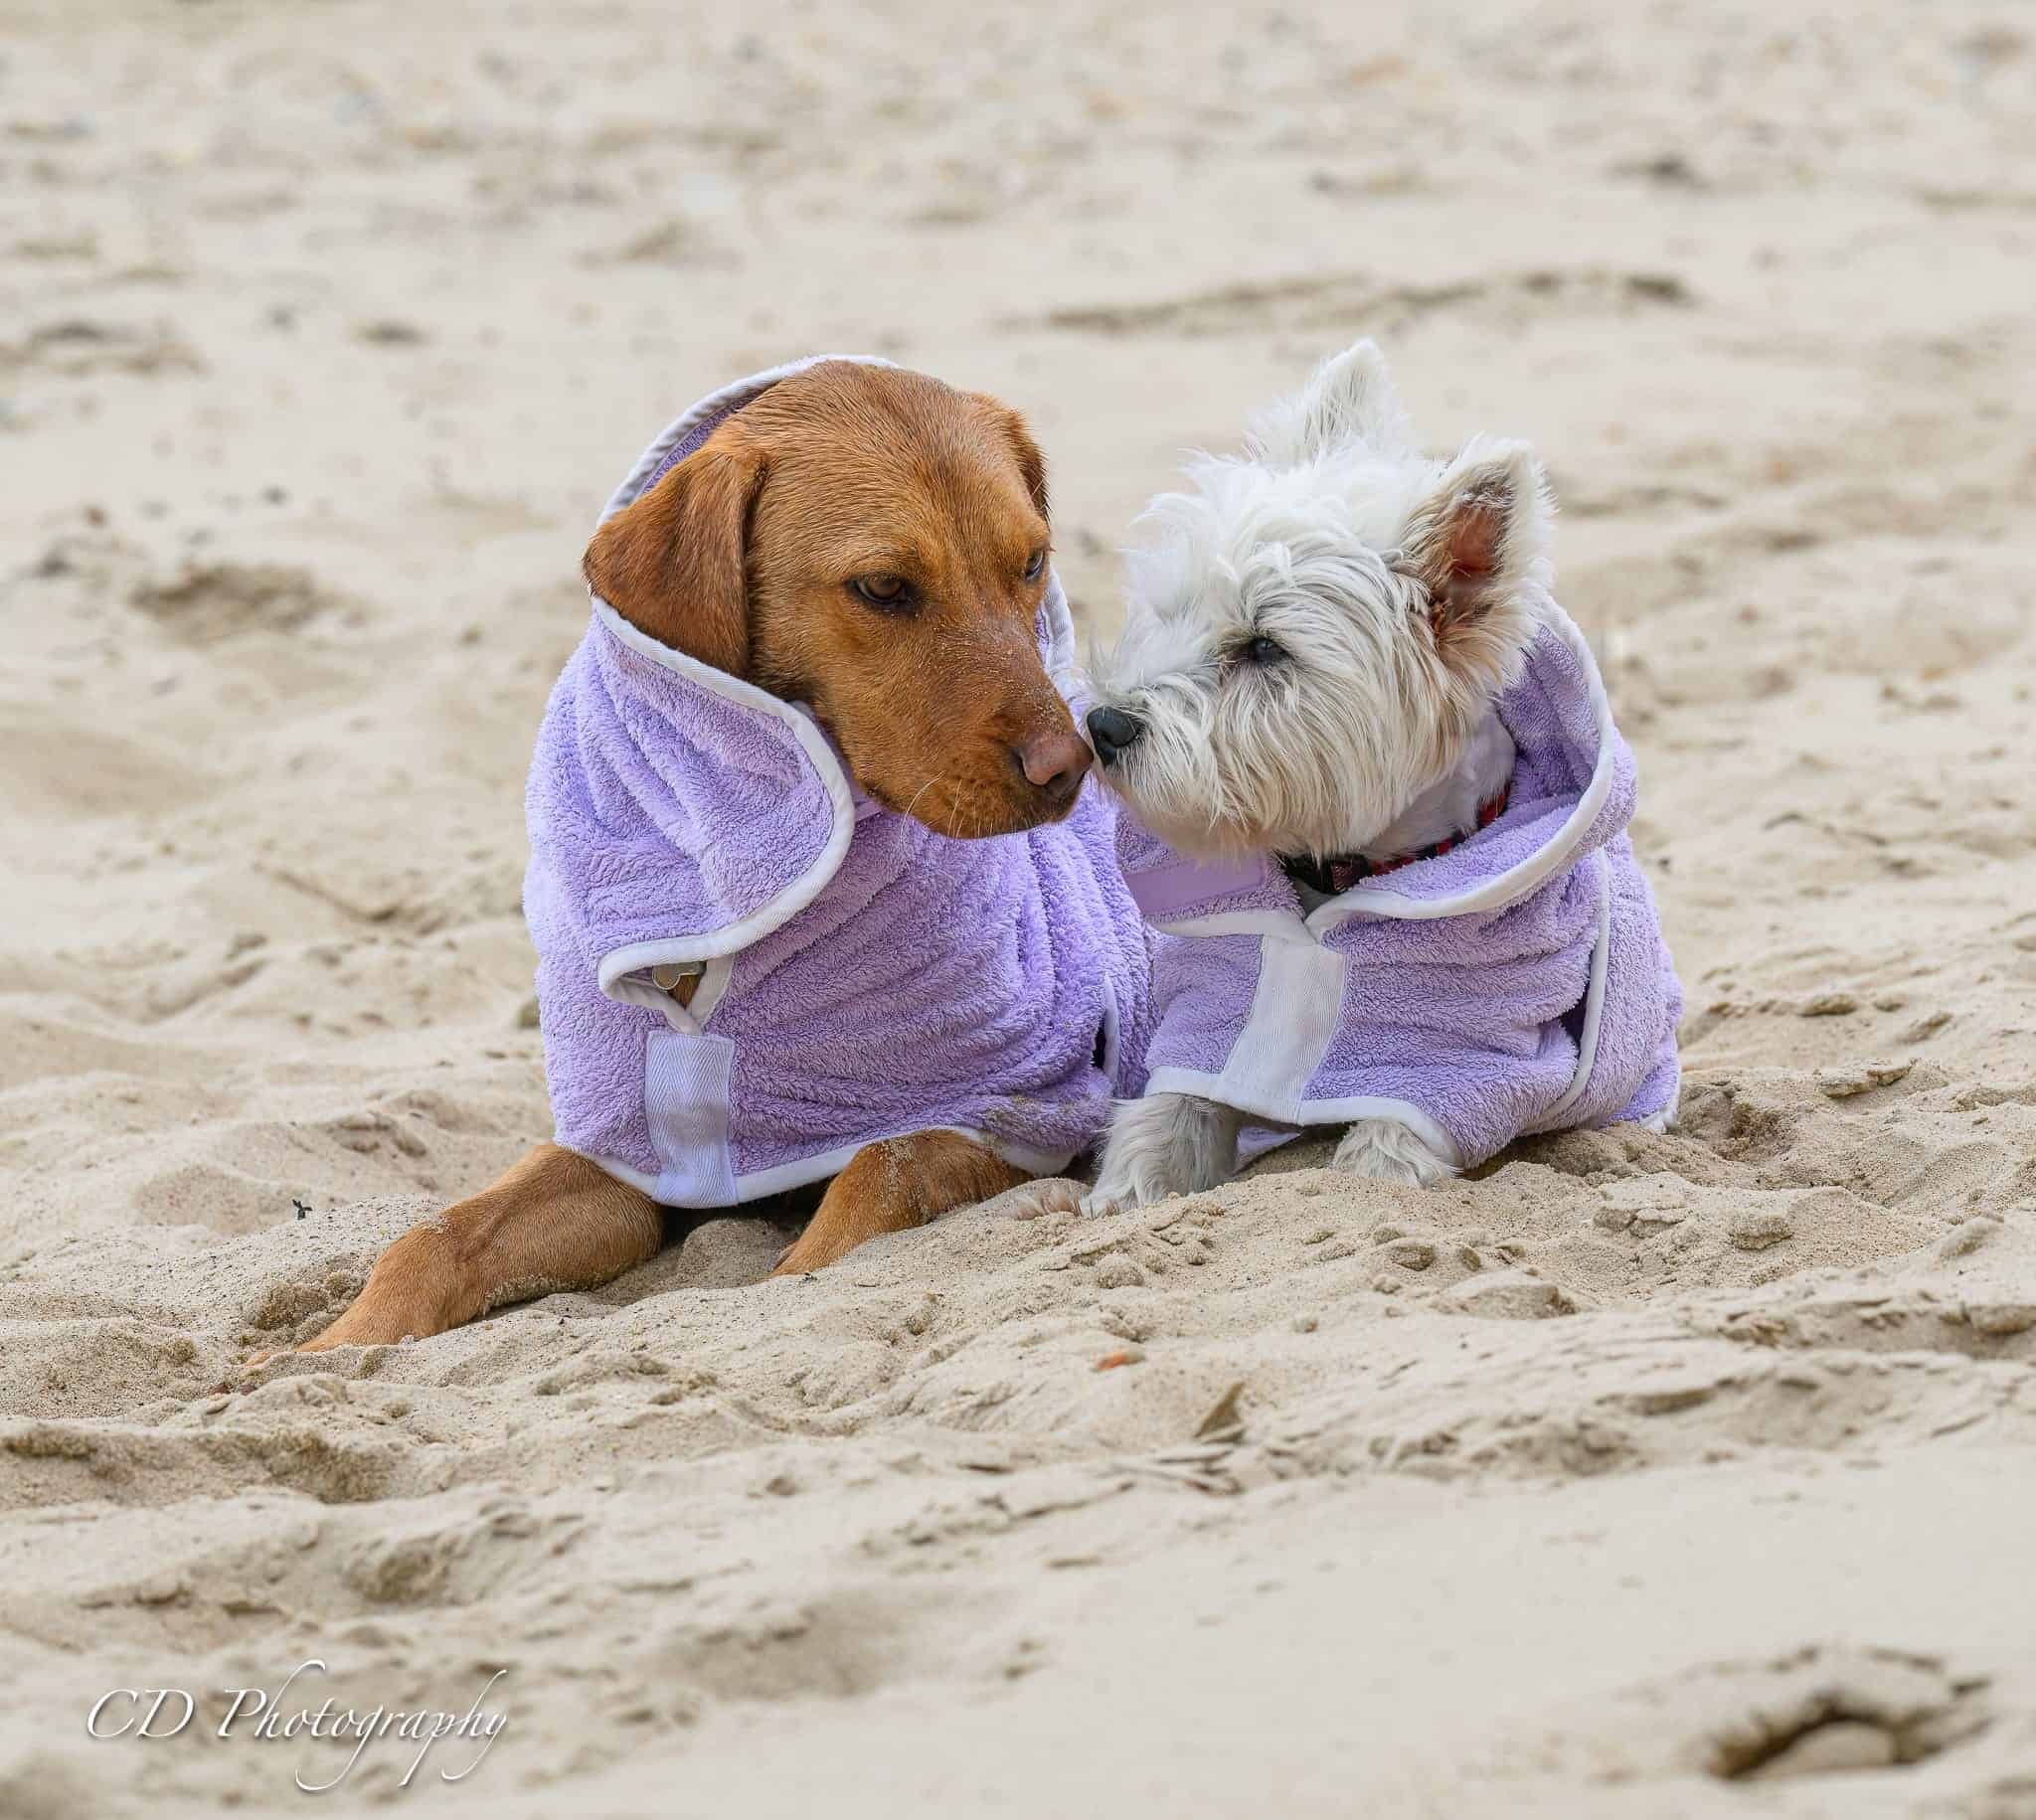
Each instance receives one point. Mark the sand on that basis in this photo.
(1678, 1475)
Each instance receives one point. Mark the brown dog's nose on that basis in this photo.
(1052, 763)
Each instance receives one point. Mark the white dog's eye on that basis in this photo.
(1262, 651)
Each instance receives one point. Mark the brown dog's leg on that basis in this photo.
(900, 1183)
(554, 1222)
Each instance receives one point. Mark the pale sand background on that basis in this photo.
(324, 329)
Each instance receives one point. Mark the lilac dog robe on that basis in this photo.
(863, 978)
(1517, 983)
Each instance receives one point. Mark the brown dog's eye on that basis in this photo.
(1036, 565)
(893, 594)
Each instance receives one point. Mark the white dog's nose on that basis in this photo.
(1112, 732)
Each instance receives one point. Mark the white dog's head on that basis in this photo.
(1317, 628)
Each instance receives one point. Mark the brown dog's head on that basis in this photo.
(873, 544)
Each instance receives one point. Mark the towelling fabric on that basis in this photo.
(1518, 982)
(861, 977)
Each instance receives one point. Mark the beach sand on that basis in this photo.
(1663, 1475)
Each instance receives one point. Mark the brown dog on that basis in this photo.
(872, 544)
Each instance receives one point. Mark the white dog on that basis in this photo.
(1310, 693)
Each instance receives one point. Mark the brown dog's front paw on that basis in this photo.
(808, 1251)
(417, 1290)
(893, 1185)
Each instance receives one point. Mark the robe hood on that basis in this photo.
(1574, 789)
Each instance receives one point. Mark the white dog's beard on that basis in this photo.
(1208, 818)
(1445, 808)
(1391, 780)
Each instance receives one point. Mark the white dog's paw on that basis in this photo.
(1164, 1144)
(1384, 1150)
(1122, 1196)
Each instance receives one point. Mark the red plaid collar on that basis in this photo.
(1334, 876)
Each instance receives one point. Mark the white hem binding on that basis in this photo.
(1312, 1111)
(803, 1170)
(1593, 1011)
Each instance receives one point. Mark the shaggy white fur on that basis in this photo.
(1316, 636)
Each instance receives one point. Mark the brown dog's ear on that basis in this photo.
(1031, 463)
(672, 563)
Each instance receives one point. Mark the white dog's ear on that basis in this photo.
(1349, 401)
(1479, 536)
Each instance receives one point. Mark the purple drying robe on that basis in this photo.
(863, 978)
(1517, 983)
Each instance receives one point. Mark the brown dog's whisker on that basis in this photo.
(916, 794)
